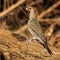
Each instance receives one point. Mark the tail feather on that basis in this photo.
(48, 49)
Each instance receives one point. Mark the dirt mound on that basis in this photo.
(13, 49)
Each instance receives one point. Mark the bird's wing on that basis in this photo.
(35, 26)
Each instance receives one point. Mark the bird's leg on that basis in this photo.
(30, 40)
(34, 38)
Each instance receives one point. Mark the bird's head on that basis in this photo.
(32, 13)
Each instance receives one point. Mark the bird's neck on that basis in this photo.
(33, 16)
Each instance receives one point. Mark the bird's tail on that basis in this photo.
(48, 49)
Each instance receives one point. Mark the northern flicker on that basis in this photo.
(36, 30)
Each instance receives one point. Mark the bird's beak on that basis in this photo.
(25, 10)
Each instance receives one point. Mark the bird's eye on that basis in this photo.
(29, 8)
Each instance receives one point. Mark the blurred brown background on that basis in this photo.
(14, 18)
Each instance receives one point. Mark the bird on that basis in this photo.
(35, 29)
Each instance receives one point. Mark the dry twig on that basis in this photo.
(53, 20)
(49, 10)
(11, 8)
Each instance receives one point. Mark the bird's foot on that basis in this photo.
(29, 40)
